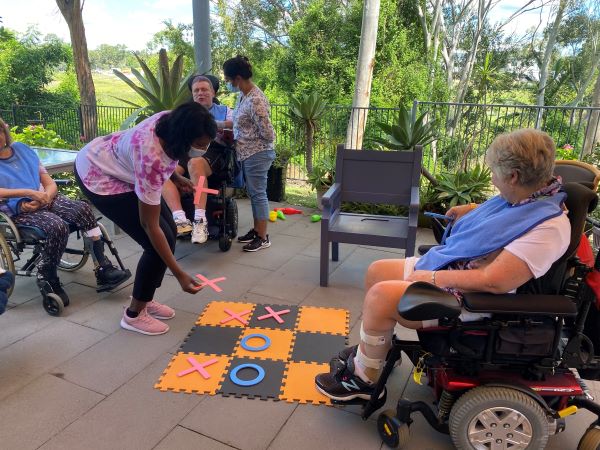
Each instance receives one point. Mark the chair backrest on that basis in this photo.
(372, 176)
(577, 172)
(580, 202)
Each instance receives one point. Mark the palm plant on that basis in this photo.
(165, 90)
(407, 132)
(307, 110)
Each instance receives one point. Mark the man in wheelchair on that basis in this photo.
(200, 162)
(495, 248)
(30, 198)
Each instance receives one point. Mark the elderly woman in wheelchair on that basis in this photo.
(493, 360)
(30, 204)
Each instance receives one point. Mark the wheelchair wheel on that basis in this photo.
(590, 439)
(498, 416)
(225, 243)
(395, 434)
(232, 218)
(6, 260)
(53, 304)
(74, 259)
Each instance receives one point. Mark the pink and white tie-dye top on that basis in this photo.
(126, 161)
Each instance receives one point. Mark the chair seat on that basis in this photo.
(383, 231)
(530, 304)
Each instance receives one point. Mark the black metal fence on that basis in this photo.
(465, 130)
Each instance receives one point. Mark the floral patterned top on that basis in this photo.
(252, 128)
(126, 161)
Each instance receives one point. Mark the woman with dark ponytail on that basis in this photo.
(122, 174)
(254, 135)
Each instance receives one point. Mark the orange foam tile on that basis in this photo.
(280, 348)
(299, 383)
(214, 313)
(193, 382)
(323, 320)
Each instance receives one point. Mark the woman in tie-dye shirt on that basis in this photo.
(123, 174)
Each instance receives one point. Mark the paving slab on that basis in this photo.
(40, 410)
(136, 416)
(182, 438)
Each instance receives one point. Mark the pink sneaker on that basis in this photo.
(144, 323)
(160, 311)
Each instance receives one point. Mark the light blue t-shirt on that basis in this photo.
(19, 171)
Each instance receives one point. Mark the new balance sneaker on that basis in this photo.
(343, 385)
(144, 323)
(199, 232)
(343, 356)
(248, 237)
(257, 244)
(160, 311)
(184, 227)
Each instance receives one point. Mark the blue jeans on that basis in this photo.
(255, 172)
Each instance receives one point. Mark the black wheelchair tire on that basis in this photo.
(53, 304)
(6, 261)
(225, 243)
(393, 433)
(232, 218)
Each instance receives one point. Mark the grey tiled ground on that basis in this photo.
(79, 381)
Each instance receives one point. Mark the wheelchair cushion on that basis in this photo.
(529, 304)
(424, 301)
(31, 234)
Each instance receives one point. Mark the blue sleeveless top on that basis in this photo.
(20, 171)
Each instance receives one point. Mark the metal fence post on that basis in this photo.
(80, 117)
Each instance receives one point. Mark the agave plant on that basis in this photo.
(165, 90)
(407, 132)
(308, 110)
(464, 187)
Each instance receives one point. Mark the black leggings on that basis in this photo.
(123, 210)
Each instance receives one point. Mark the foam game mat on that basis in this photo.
(264, 351)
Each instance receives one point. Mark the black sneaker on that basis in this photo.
(257, 244)
(342, 385)
(109, 277)
(343, 356)
(248, 237)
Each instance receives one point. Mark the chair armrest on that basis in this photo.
(529, 304)
(331, 199)
(413, 209)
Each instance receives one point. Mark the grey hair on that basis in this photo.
(528, 152)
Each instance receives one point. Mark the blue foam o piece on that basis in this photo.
(245, 340)
(259, 377)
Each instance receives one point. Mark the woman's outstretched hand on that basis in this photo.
(189, 284)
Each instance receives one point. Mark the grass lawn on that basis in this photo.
(109, 89)
(300, 194)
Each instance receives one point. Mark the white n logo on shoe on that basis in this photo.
(350, 386)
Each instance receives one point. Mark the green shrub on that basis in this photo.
(38, 136)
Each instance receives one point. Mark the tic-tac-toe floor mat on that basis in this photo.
(258, 351)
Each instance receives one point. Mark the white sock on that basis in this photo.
(179, 214)
(200, 214)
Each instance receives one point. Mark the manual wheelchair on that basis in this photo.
(510, 380)
(17, 240)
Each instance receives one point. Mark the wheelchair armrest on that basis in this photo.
(424, 301)
(63, 182)
(529, 304)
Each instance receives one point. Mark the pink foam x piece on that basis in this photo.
(198, 367)
(236, 316)
(211, 283)
(200, 189)
(273, 314)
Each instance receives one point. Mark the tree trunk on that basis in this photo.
(364, 75)
(592, 133)
(72, 12)
(552, 34)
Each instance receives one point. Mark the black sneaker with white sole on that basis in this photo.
(343, 385)
(248, 237)
(257, 244)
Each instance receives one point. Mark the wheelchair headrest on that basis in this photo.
(581, 201)
(424, 301)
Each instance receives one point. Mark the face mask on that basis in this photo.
(232, 88)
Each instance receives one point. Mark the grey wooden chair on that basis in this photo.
(388, 177)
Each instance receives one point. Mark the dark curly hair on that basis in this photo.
(182, 126)
(240, 65)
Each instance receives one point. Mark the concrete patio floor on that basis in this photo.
(81, 382)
